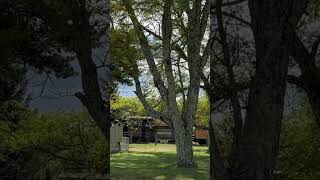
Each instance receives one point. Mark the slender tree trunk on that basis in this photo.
(259, 144)
(235, 103)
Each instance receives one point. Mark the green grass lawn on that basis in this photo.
(147, 161)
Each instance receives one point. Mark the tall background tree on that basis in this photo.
(181, 43)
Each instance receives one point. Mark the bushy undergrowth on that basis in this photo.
(299, 156)
(52, 142)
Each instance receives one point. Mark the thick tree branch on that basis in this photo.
(146, 50)
(181, 81)
(204, 18)
(143, 100)
(194, 63)
(166, 55)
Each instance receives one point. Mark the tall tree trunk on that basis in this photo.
(259, 143)
(91, 97)
(182, 127)
(183, 139)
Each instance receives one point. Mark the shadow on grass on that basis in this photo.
(156, 165)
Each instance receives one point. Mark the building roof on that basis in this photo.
(140, 117)
(157, 122)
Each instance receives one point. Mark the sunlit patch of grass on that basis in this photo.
(149, 161)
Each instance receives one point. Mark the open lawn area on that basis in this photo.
(149, 161)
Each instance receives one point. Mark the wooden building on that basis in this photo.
(139, 129)
(146, 129)
(201, 135)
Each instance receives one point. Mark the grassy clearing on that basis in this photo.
(147, 161)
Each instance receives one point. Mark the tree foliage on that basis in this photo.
(299, 146)
(54, 142)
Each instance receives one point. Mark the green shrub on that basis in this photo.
(59, 142)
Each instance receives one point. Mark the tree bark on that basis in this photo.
(183, 137)
(91, 97)
(259, 143)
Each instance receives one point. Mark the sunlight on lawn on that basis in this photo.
(149, 161)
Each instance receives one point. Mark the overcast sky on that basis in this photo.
(58, 93)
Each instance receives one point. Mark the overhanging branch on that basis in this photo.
(150, 110)
(146, 50)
